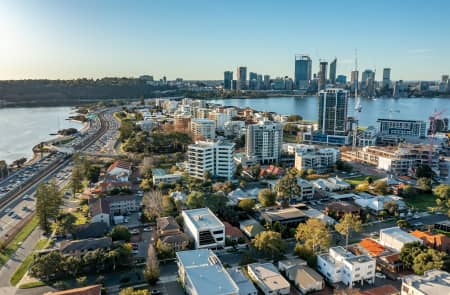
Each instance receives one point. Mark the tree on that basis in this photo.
(120, 233)
(294, 118)
(165, 251)
(391, 207)
(442, 193)
(65, 224)
(408, 191)
(247, 205)
(168, 206)
(348, 223)
(424, 171)
(269, 243)
(131, 291)
(287, 187)
(195, 200)
(381, 187)
(402, 223)
(424, 184)
(255, 170)
(151, 272)
(314, 234)
(409, 251)
(369, 180)
(306, 254)
(47, 265)
(48, 200)
(81, 281)
(266, 197)
(215, 202)
(427, 260)
(238, 170)
(362, 187)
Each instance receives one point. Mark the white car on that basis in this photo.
(7, 210)
(380, 275)
(147, 229)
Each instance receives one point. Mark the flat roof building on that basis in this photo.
(268, 279)
(433, 282)
(202, 273)
(396, 238)
(204, 227)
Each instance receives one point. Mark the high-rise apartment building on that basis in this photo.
(252, 80)
(333, 66)
(203, 128)
(366, 75)
(322, 75)
(266, 81)
(241, 82)
(302, 75)
(264, 141)
(333, 105)
(387, 77)
(227, 80)
(213, 157)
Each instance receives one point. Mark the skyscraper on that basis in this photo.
(366, 75)
(264, 140)
(252, 77)
(322, 75)
(386, 77)
(302, 75)
(354, 80)
(333, 66)
(227, 80)
(241, 82)
(267, 81)
(333, 105)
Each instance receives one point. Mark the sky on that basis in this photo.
(192, 39)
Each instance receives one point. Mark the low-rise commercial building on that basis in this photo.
(268, 279)
(340, 265)
(395, 238)
(204, 227)
(201, 273)
(160, 175)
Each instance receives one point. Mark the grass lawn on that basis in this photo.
(20, 237)
(421, 201)
(32, 285)
(289, 138)
(81, 219)
(22, 269)
(359, 179)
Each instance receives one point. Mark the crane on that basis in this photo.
(433, 117)
(358, 106)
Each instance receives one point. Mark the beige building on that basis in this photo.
(268, 279)
(203, 128)
(433, 282)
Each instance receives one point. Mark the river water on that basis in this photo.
(372, 109)
(23, 128)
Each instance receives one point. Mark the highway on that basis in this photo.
(20, 203)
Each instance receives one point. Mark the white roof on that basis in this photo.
(432, 282)
(399, 235)
(203, 218)
(268, 274)
(314, 213)
(244, 284)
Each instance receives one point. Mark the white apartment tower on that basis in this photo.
(203, 128)
(214, 157)
(264, 141)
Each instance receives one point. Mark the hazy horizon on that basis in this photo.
(199, 40)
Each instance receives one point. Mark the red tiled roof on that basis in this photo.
(372, 247)
(232, 231)
(120, 164)
(435, 240)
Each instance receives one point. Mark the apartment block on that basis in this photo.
(203, 128)
(321, 160)
(204, 227)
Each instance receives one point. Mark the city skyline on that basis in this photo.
(200, 40)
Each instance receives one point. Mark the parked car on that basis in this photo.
(380, 275)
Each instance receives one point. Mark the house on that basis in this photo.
(88, 290)
(201, 273)
(439, 242)
(233, 233)
(331, 184)
(80, 247)
(251, 227)
(305, 279)
(90, 230)
(245, 286)
(160, 175)
(120, 169)
(291, 216)
(102, 209)
(110, 183)
(433, 282)
(381, 290)
(395, 238)
(284, 265)
(391, 262)
(372, 248)
(268, 279)
(239, 194)
(340, 265)
(170, 233)
(339, 209)
(204, 227)
(376, 203)
(314, 213)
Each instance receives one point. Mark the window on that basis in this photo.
(218, 232)
(370, 266)
(357, 269)
(369, 273)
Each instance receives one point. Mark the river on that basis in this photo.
(23, 128)
(372, 109)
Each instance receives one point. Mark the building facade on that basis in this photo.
(302, 74)
(203, 128)
(204, 227)
(333, 106)
(264, 141)
(321, 160)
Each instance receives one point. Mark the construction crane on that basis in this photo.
(433, 117)
(358, 106)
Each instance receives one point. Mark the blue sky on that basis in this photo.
(201, 39)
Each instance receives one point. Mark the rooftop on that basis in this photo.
(268, 274)
(88, 290)
(399, 235)
(432, 282)
(372, 247)
(203, 218)
(244, 284)
(283, 214)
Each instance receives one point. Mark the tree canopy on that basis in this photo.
(314, 234)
